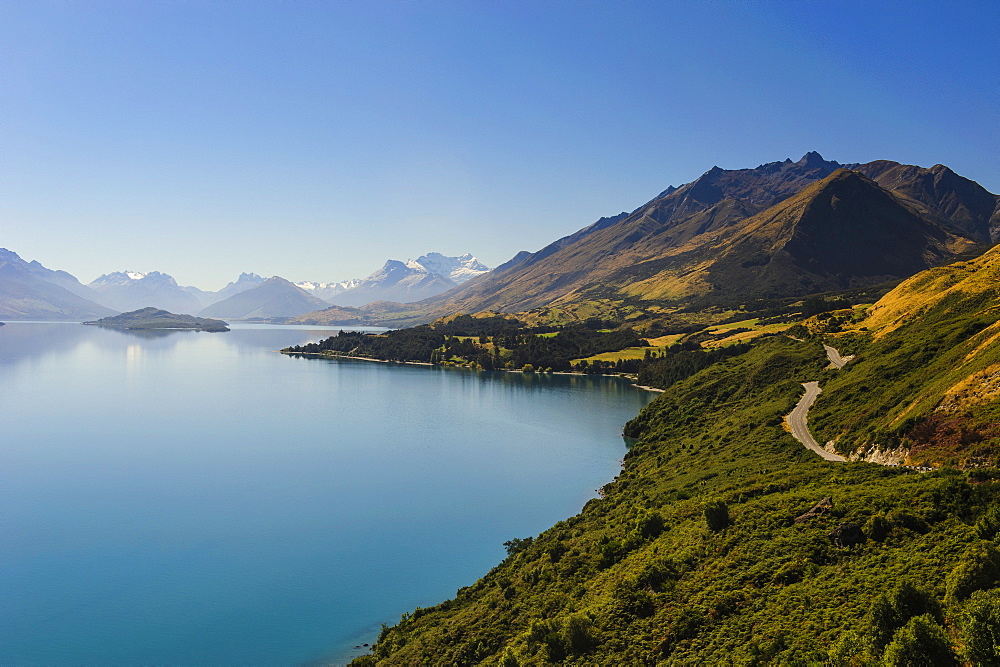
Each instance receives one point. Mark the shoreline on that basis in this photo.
(326, 355)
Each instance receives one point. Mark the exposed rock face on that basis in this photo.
(819, 509)
(875, 454)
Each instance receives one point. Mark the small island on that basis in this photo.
(154, 318)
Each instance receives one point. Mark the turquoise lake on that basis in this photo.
(197, 498)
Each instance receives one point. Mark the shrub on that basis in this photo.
(918, 643)
(978, 569)
(980, 628)
(892, 611)
(716, 515)
(650, 525)
(577, 633)
(989, 524)
(877, 527)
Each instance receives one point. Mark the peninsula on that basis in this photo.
(154, 318)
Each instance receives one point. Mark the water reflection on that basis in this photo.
(24, 341)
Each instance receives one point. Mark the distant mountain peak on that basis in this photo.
(812, 157)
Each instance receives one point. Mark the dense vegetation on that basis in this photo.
(713, 546)
(489, 343)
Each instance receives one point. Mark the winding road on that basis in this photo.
(796, 419)
(836, 361)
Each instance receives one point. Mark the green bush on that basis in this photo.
(980, 628)
(978, 569)
(578, 633)
(989, 524)
(716, 515)
(891, 611)
(919, 643)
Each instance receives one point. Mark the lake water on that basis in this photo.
(198, 498)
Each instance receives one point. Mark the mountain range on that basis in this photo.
(28, 290)
(778, 230)
(724, 541)
(725, 240)
(403, 282)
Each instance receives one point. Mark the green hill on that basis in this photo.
(712, 545)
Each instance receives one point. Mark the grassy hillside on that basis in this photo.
(703, 550)
(927, 379)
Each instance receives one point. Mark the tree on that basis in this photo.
(892, 611)
(919, 643)
(978, 569)
(980, 628)
(517, 544)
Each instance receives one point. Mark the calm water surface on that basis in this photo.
(198, 498)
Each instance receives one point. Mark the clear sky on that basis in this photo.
(315, 140)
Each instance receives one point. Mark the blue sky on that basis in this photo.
(314, 140)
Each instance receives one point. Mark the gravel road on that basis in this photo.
(796, 421)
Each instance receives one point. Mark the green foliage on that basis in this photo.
(892, 610)
(877, 527)
(650, 525)
(978, 569)
(489, 343)
(980, 628)
(681, 361)
(517, 544)
(920, 643)
(988, 525)
(578, 634)
(765, 590)
(852, 649)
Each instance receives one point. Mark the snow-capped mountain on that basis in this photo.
(131, 290)
(403, 282)
(456, 269)
(327, 291)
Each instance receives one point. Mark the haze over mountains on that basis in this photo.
(782, 229)
(28, 290)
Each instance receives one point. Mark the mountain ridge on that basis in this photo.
(658, 233)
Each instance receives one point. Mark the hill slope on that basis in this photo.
(275, 297)
(661, 250)
(29, 291)
(711, 546)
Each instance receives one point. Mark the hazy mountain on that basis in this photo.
(717, 236)
(29, 291)
(243, 283)
(130, 290)
(275, 297)
(395, 281)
